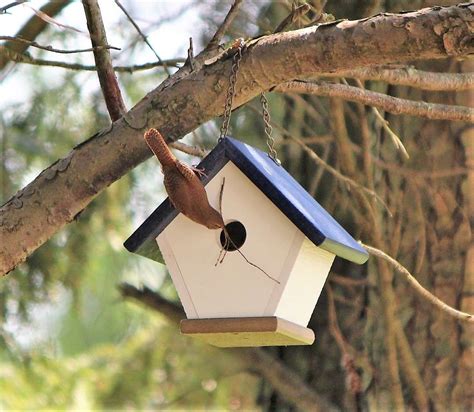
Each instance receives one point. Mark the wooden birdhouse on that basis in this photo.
(265, 294)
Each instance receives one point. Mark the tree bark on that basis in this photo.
(188, 99)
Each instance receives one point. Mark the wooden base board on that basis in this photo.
(241, 332)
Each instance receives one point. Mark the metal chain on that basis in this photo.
(231, 91)
(268, 130)
(230, 98)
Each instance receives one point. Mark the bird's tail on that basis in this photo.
(158, 146)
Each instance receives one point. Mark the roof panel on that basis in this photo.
(294, 201)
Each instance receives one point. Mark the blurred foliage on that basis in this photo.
(67, 338)
(150, 369)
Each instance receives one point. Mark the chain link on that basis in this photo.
(231, 91)
(230, 98)
(268, 130)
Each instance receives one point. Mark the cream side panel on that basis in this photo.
(176, 276)
(233, 288)
(305, 284)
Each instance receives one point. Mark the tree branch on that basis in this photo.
(145, 39)
(32, 28)
(222, 29)
(105, 71)
(347, 180)
(186, 100)
(409, 76)
(294, 16)
(52, 49)
(395, 139)
(4, 9)
(153, 300)
(280, 376)
(390, 104)
(24, 58)
(190, 150)
(457, 314)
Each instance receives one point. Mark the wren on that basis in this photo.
(185, 190)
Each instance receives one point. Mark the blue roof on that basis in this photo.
(277, 184)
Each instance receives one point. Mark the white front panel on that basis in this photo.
(305, 284)
(233, 288)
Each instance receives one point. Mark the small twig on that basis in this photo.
(228, 240)
(222, 29)
(322, 139)
(190, 58)
(105, 71)
(295, 15)
(142, 35)
(32, 29)
(190, 150)
(353, 380)
(390, 104)
(334, 329)
(413, 173)
(48, 19)
(25, 59)
(339, 175)
(313, 186)
(4, 9)
(223, 251)
(52, 49)
(418, 288)
(395, 139)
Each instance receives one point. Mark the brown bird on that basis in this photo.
(186, 192)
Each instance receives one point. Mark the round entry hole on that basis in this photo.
(237, 234)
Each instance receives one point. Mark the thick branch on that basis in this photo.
(187, 100)
(390, 104)
(284, 380)
(105, 71)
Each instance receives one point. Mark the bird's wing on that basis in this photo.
(186, 171)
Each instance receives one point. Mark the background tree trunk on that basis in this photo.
(414, 356)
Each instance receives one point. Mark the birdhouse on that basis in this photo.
(264, 289)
